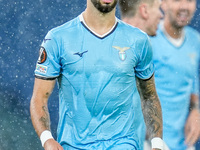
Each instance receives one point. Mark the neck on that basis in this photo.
(174, 32)
(99, 22)
(135, 22)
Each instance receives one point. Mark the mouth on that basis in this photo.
(183, 16)
(107, 1)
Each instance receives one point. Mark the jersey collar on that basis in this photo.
(176, 42)
(93, 32)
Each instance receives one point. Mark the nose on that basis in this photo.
(184, 4)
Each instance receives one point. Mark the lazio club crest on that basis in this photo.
(122, 53)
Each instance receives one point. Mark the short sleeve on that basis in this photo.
(145, 68)
(195, 89)
(48, 64)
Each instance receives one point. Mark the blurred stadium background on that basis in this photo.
(23, 25)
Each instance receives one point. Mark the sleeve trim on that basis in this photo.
(45, 78)
(147, 77)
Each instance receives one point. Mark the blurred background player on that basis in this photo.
(99, 62)
(143, 14)
(138, 13)
(176, 57)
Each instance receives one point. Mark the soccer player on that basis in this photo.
(143, 14)
(100, 64)
(176, 57)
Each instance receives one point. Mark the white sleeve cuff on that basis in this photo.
(157, 142)
(45, 135)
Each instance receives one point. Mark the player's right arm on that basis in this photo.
(151, 108)
(192, 126)
(39, 110)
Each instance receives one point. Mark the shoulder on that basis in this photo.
(191, 32)
(66, 27)
(192, 37)
(131, 31)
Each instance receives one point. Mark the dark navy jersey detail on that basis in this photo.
(46, 40)
(44, 78)
(96, 34)
(80, 53)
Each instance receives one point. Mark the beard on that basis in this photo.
(177, 22)
(104, 8)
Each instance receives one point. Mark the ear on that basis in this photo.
(143, 9)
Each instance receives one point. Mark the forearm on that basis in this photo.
(192, 125)
(194, 102)
(39, 116)
(151, 107)
(153, 117)
(39, 102)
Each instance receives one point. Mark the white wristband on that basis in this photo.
(45, 135)
(157, 143)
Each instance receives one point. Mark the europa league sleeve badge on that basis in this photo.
(42, 55)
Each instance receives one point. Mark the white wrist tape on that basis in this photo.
(45, 135)
(157, 143)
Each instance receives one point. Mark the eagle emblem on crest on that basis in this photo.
(122, 53)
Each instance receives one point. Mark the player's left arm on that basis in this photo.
(192, 126)
(150, 106)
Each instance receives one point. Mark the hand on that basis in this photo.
(51, 144)
(192, 127)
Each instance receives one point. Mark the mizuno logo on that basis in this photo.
(80, 54)
(122, 53)
(46, 40)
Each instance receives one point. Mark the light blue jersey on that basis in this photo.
(176, 78)
(99, 105)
